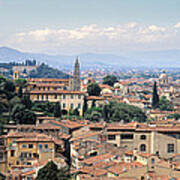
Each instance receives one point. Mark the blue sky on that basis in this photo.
(21, 19)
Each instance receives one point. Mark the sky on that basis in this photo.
(98, 26)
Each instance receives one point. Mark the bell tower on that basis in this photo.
(76, 76)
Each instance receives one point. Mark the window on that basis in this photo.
(46, 146)
(46, 97)
(72, 96)
(55, 96)
(126, 136)
(29, 178)
(143, 137)
(30, 146)
(64, 105)
(25, 154)
(40, 146)
(1, 155)
(64, 96)
(30, 155)
(111, 137)
(24, 146)
(152, 161)
(42, 97)
(79, 106)
(72, 105)
(79, 96)
(143, 148)
(37, 97)
(170, 148)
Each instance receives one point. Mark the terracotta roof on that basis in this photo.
(68, 124)
(49, 85)
(97, 159)
(46, 80)
(95, 98)
(55, 92)
(85, 136)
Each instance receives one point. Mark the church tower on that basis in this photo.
(76, 76)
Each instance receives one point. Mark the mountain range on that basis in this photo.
(164, 58)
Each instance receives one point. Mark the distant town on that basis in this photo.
(88, 125)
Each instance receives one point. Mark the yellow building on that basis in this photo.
(26, 149)
(69, 100)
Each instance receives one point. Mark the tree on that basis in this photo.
(57, 110)
(2, 177)
(93, 89)
(115, 112)
(110, 80)
(155, 98)
(93, 103)
(164, 104)
(85, 106)
(76, 112)
(21, 115)
(175, 116)
(20, 82)
(51, 172)
(27, 101)
(20, 92)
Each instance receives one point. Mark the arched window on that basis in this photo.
(143, 148)
(143, 137)
(152, 161)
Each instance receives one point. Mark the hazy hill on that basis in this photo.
(168, 58)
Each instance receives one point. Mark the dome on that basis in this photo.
(163, 76)
(118, 85)
(106, 91)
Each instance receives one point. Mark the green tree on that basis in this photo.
(20, 82)
(93, 103)
(175, 116)
(21, 115)
(2, 177)
(85, 106)
(93, 89)
(165, 105)
(110, 80)
(114, 112)
(20, 92)
(51, 172)
(76, 112)
(26, 101)
(57, 110)
(155, 98)
(48, 172)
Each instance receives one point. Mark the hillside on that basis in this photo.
(27, 71)
(44, 71)
(165, 58)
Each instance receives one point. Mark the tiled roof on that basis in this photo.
(97, 159)
(55, 92)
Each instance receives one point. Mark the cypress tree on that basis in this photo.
(20, 92)
(57, 110)
(155, 98)
(85, 105)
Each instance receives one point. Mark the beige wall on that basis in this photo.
(64, 99)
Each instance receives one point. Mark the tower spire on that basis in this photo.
(76, 76)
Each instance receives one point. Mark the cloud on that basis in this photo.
(177, 25)
(129, 36)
